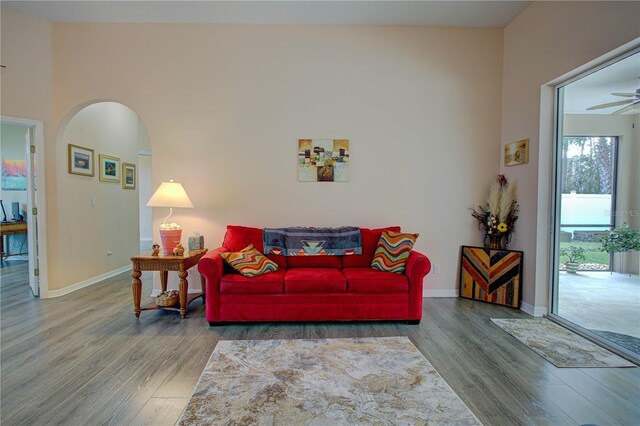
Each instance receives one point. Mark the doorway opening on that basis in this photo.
(23, 212)
(595, 281)
(102, 176)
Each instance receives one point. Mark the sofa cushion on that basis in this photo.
(314, 280)
(234, 283)
(370, 238)
(368, 280)
(393, 251)
(249, 261)
(314, 262)
(238, 237)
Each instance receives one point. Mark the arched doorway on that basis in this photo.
(101, 217)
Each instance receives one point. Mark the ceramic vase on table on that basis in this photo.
(495, 242)
(170, 239)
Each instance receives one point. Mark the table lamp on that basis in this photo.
(170, 194)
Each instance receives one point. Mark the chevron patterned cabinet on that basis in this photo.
(493, 276)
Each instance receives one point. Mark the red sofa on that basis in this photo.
(311, 288)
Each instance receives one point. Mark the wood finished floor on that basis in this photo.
(83, 359)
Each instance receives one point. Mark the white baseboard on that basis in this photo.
(536, 311)
(86, 283)
(440, 293)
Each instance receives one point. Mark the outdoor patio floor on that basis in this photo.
(601, 301)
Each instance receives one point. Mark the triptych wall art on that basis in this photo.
(323, 160)
(82, 160)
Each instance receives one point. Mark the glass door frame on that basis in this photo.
(556, 196)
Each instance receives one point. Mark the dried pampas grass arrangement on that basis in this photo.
(493, 202)
(500, 213)
(507, 201)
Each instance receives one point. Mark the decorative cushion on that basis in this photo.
(393, 251)
(238, 237)
(249, 261)
(370, 238)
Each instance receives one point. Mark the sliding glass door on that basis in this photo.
(588, 199)
(597, 184)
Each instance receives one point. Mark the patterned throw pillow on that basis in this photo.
(249, 262)
(393, 251)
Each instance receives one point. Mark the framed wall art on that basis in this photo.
(81, 160)
(14, 175)
(323, 160)
(493, 276)
(516, 153)
(109, 168)
(128, 176)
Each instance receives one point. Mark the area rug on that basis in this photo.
(558, 345)
(382, 381)
(628, 342)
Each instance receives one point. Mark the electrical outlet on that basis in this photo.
(436, 269)
(93, 202)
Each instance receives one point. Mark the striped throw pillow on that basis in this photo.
(393, 251)
(249, 262)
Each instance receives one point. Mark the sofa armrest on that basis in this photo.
(211, 267)
(418, 266)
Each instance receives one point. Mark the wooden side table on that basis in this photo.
(164, 264)
(10, 228)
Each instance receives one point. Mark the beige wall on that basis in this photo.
(101, 238)
(27, 92)
(26, 53)
(546, 41)
(225, 104)
(627, 129)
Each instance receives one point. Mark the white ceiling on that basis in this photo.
(396, 12)
(596, 88)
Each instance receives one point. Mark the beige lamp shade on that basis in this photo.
(170, 194)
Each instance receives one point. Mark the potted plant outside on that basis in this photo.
(620, 240)
(573, 255)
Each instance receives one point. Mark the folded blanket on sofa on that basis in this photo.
(299, 241)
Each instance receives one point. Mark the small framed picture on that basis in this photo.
(516, 153)
(128, 176)
(109, 168)
(81, 160)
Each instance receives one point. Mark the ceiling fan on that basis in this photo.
(633, 102)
